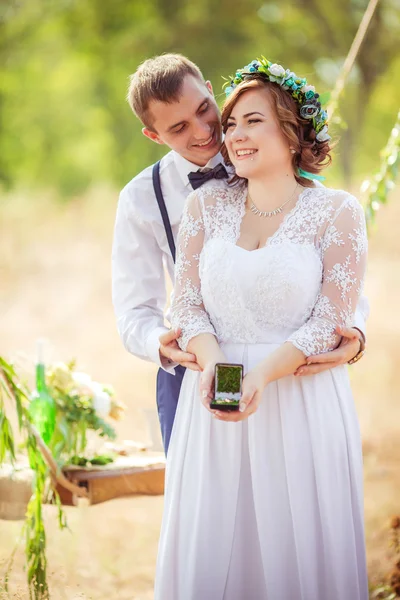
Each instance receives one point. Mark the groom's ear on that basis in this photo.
(152, 135)
(210, 88)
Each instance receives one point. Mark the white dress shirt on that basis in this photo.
(140, 253)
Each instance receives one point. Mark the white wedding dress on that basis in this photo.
(270, 508)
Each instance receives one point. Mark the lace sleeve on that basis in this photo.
(344, 250)
(187, 311)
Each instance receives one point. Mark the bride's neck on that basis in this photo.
(269, 192)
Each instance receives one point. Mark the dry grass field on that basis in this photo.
(55, 283)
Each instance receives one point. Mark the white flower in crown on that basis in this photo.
(323, 135)
(277, 70)
(308, 88)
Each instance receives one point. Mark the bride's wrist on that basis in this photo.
(214, 360)
(263, 371)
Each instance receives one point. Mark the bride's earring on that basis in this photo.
(293, 151)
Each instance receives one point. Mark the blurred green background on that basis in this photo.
(64, 68)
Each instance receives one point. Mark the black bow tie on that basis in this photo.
(197, 178)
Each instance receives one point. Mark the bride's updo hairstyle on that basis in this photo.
(311, 154)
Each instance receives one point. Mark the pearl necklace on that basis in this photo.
(270, 213)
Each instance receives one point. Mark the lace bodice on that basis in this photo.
(306, 279)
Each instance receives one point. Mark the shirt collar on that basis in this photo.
(184, 167)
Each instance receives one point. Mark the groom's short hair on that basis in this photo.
(159, 78)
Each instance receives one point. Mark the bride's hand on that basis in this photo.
(207, 385)
(252, 390)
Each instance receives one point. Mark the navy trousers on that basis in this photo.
(168, 388)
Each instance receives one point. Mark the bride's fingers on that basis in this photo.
(206, 399)
(231, 417)
(206, 383)
(228, 416)
(206, 388)
(253, 404)
(235, 416)
(246, 398)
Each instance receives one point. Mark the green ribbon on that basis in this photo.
(311, 175)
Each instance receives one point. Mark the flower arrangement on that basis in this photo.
(81, 405)
(304, 94)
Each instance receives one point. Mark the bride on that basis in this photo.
(266, 503)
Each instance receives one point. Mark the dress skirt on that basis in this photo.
(270, 508)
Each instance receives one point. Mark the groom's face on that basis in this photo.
(191, 126)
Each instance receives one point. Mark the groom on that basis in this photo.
(177, 108)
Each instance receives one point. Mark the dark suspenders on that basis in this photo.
(163, 208)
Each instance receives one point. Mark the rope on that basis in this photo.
(351, 57)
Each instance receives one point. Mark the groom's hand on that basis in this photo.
(170, 350)
(347, 349)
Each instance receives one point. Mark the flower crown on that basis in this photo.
(304, 94)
